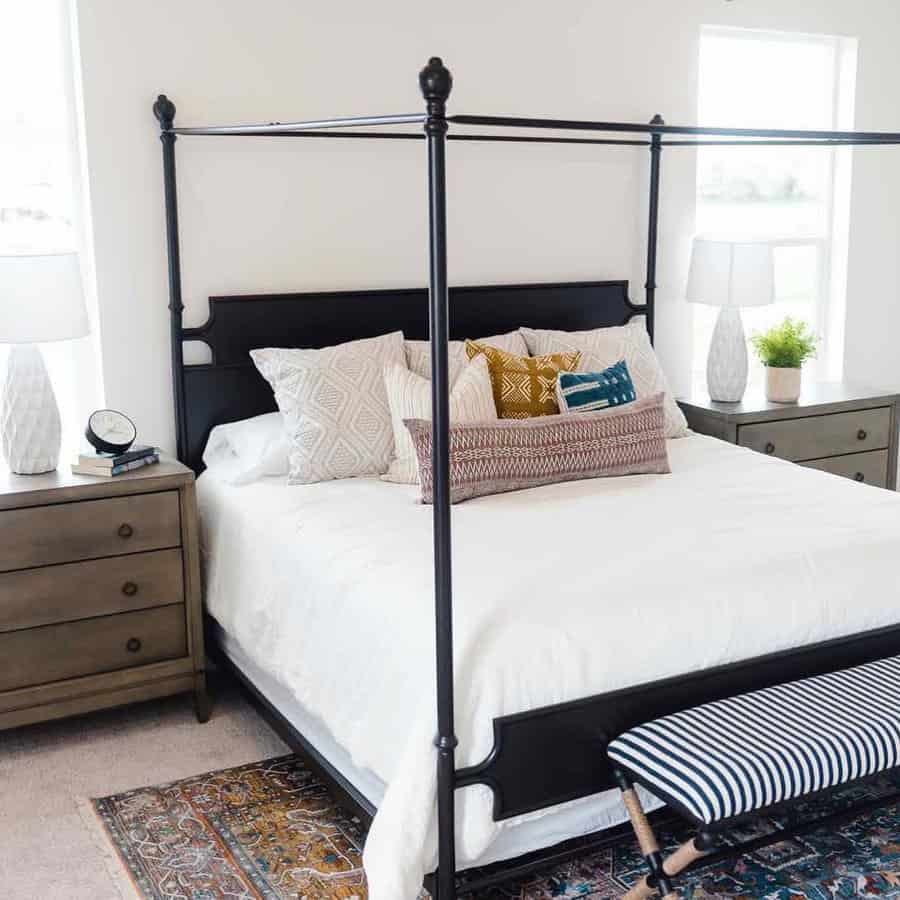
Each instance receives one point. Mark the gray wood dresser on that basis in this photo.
(99, 592)
(835, 427)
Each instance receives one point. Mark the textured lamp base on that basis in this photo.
(29, 416)
(726, 366)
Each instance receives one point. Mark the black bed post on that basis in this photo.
(164, 110)
(436, 82)
(653, 224)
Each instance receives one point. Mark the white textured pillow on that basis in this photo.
(335, 406)
(603, 347)
(418, 353)
(409, 396)
(250, 449)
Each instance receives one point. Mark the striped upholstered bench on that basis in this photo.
(733, 759)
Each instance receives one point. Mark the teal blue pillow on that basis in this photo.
(590, 391)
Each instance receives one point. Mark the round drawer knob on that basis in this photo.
(133, 645)
(125, 530)
(859, 477)
(770, 448)
(862, 434)
(129, 589)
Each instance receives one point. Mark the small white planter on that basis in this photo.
(783, 385)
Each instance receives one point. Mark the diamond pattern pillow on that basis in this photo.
(603, 347)
(495, 457)
(418, 353)
(524, 386)
(335, 406)
(409, 397)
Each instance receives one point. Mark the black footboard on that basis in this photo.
(557, 753)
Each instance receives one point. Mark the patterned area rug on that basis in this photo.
(270, 831)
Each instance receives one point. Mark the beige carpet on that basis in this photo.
(46, 852)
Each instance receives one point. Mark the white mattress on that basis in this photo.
(328, 589)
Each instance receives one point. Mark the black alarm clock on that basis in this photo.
(109, 431)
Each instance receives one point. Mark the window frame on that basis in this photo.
(829, 296)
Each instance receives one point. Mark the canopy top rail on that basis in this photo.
(691, 136)
(281, 131)
(312, 125)
(658, 127)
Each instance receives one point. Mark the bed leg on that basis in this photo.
(658, 880)
(202, 704)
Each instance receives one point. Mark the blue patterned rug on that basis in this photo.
(859, 858)
(270, 831)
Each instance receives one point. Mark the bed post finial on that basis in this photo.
(657, 120)
(436, 82)
(164, 110)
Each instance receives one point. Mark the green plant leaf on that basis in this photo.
(786, 346)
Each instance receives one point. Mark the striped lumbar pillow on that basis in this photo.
(409, 396)
(512, 454)
(590, 391)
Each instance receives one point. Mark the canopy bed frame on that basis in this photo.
(574, 735)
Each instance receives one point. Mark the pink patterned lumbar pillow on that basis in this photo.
(512, 454)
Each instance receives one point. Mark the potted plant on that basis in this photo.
(782, 350)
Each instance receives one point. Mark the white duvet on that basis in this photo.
(559, 592)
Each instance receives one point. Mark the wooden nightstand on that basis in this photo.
(99, 592)
(835, 427)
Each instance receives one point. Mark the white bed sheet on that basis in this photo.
(328, 589)
(567, 821)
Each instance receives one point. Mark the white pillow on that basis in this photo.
(603, 347)
(335, 406)
(409, 396)
(418, 353)
(244, 451)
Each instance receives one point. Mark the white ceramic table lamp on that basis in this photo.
(41, 299)
(730, 274)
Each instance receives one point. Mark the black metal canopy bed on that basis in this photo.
(544, 756)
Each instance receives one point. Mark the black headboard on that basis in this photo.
(229, 388)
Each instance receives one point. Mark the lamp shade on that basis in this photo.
(731, 273)
(41, 298)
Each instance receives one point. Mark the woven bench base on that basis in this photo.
(661, 870)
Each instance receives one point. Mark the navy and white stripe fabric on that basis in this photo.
(589, 391)
(743, 754)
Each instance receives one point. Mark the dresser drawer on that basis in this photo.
(42, 535)
(98, 587)
(55, 652)
(820, 436)
(870, 468)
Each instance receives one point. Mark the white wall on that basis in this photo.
(303, 214)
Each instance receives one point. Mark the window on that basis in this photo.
(39, 204)
(796, 197)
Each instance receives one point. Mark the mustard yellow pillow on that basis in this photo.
(524, 386)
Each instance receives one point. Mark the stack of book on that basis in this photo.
(106, 465)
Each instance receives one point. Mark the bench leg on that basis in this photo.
(687, 854)
(658, 879)
(662, 871)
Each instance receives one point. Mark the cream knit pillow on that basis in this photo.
(418, 353)
(409, 397)
(603, 347)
